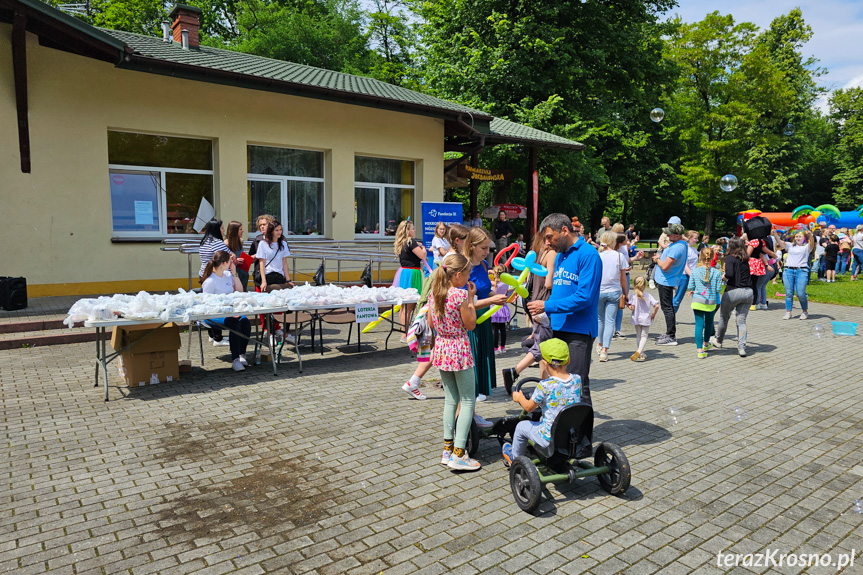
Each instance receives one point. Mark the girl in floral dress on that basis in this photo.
(453, 314)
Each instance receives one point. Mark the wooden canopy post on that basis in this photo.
(19, 66)
(532, 202)
(474, 188)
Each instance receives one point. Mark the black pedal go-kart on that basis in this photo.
(564, 460)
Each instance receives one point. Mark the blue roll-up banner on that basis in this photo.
(434, 213)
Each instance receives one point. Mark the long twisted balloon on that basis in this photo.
(527, 264)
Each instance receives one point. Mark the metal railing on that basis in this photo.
(321, 251)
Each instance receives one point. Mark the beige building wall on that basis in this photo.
(57, 219)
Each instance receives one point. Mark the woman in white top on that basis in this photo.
(439, 245)
(796, 274)
(220, 277)
(857, 252)
(273, 254)
(613, 285)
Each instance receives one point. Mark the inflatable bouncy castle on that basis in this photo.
(806, 217)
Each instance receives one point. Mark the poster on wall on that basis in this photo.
(433, 213)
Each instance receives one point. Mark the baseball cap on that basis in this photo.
(674, 229)
(674, 220)
(554, 350)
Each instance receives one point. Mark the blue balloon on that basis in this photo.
(529, 262)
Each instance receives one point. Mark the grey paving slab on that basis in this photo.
(335, 470)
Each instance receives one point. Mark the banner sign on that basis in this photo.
(484, 175)
(434, 212)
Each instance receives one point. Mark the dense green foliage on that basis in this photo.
(590, 71)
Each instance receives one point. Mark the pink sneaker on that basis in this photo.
(413, 391)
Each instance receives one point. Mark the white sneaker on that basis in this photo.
(481, 397)
(803, 315)
(243, 360)
(715, 342)
(413, 391)
(290, 339)
(652, 284)
(237, 365)
(222, 343)
(482, 422)
(787, 315)
(445, 458)
(463, 463)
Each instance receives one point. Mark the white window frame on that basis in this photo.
(163, 210)
(283, 185)
(381, 197)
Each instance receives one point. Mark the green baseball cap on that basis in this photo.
(674, 229)
(554, 350)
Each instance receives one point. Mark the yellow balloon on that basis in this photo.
(489, 312)
(371, 326)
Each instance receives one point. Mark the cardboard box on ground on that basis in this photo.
(153, 357)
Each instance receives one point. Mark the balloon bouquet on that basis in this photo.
(527, 264)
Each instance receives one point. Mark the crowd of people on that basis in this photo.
(577, 308)
(226, 268)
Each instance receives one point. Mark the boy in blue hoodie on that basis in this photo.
(572, 306)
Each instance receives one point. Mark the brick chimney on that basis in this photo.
(185, 17)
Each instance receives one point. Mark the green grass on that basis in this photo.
(842, 292)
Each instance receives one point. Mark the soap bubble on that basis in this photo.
(364, 484)
(789, 130)
(318, 456)
(672, 416)
(728, 183)
(817, 331)
(739, 413)
(657, 114)
(858, 506)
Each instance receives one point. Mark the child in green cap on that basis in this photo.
(552, 395)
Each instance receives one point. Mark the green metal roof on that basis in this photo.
(506, 130)
(254, 68)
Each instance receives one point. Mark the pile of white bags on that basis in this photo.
(184, 305)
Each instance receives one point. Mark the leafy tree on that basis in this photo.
(589, 71)
(846, 110)
(776, 158)
(393, 39)
(727, 82)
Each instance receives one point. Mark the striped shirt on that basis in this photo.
(208, 249)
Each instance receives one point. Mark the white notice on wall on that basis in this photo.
(366, 312)
(143, 213)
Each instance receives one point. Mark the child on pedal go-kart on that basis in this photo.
(552, 395)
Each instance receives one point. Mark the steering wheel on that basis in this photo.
(522, 381)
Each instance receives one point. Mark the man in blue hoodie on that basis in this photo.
(572, 306)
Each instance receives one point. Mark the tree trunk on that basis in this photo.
(598, 209)
(709, 219)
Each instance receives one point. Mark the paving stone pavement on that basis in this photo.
(335, 470)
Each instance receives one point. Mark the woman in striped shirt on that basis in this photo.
(213, 241)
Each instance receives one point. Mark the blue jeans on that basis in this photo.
(607, 311)
(680, 291)
(795, 280)
(523, 431)
(761, 285)
(857, 264)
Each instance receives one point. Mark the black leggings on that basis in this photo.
(499, 330)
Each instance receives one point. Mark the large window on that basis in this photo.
(383, 194)
(289, 185)
(158, 183)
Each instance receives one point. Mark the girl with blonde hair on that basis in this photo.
(476, 249)
(705, 283)
(412, 255)
(644, 308)
(452, 314)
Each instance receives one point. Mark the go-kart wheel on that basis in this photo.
(616, 481)
(525, 484)
(472, 444)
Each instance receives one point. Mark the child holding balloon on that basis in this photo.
(501, 317)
